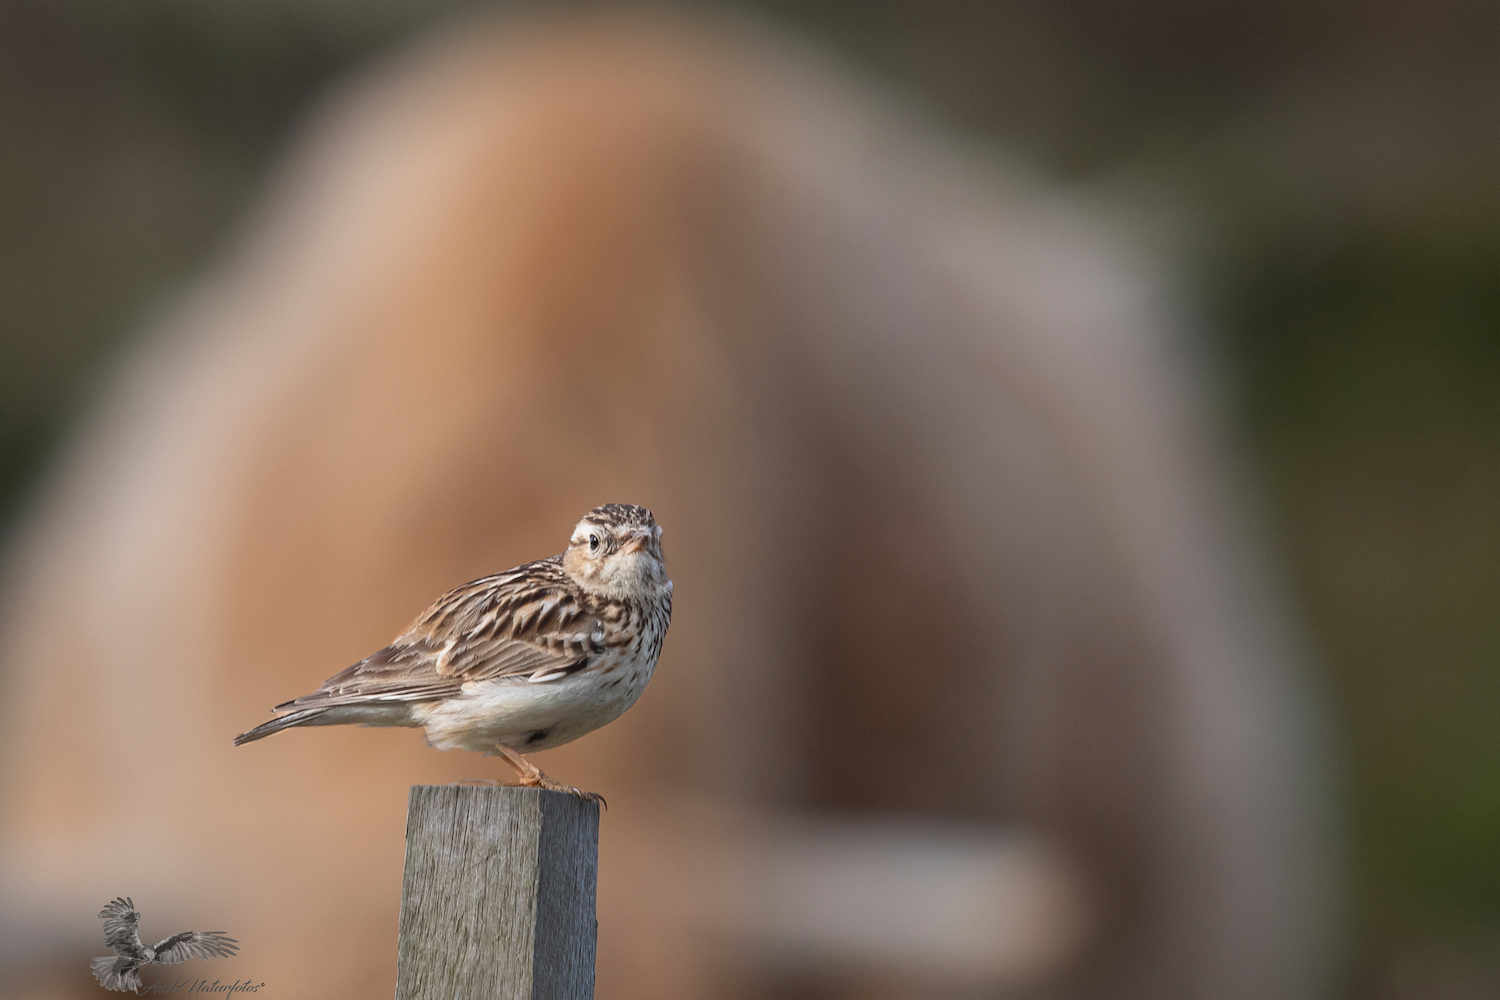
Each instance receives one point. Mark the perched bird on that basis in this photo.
(523, 660)
(122, 970)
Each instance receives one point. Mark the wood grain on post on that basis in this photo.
(498, 897)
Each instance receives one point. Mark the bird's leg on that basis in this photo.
(532, 776)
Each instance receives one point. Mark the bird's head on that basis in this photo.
(616, 551)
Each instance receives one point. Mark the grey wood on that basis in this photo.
(497, 901)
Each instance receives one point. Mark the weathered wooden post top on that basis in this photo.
(498, 898)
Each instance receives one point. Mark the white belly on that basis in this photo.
(526, 716)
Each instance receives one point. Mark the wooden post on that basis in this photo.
(498, 898)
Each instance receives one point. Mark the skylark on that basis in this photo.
(527, 659)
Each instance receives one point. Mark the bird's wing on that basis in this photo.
(121, 925)
(399, 672)
(194, 944)
(528, 622)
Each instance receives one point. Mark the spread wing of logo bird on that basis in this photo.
(121, 971)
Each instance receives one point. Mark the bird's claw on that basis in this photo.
(586, 796)
(542, 781)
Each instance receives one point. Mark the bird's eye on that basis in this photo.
(593, 543)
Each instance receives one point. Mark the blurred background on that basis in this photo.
(1319, 180)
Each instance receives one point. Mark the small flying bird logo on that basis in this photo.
(121, 971)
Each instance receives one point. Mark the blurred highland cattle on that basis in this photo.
(974, 685)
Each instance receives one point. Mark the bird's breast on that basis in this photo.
(536, 716)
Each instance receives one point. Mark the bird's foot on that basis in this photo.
(531, 776)
(540, 780)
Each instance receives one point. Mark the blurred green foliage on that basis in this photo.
(1337, 165)
(1373, 400)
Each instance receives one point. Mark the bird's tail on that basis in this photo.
(114, 973)
(301, 717)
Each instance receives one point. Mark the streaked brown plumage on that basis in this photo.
(522, 660)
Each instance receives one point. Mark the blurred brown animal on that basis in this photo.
(951, 540)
